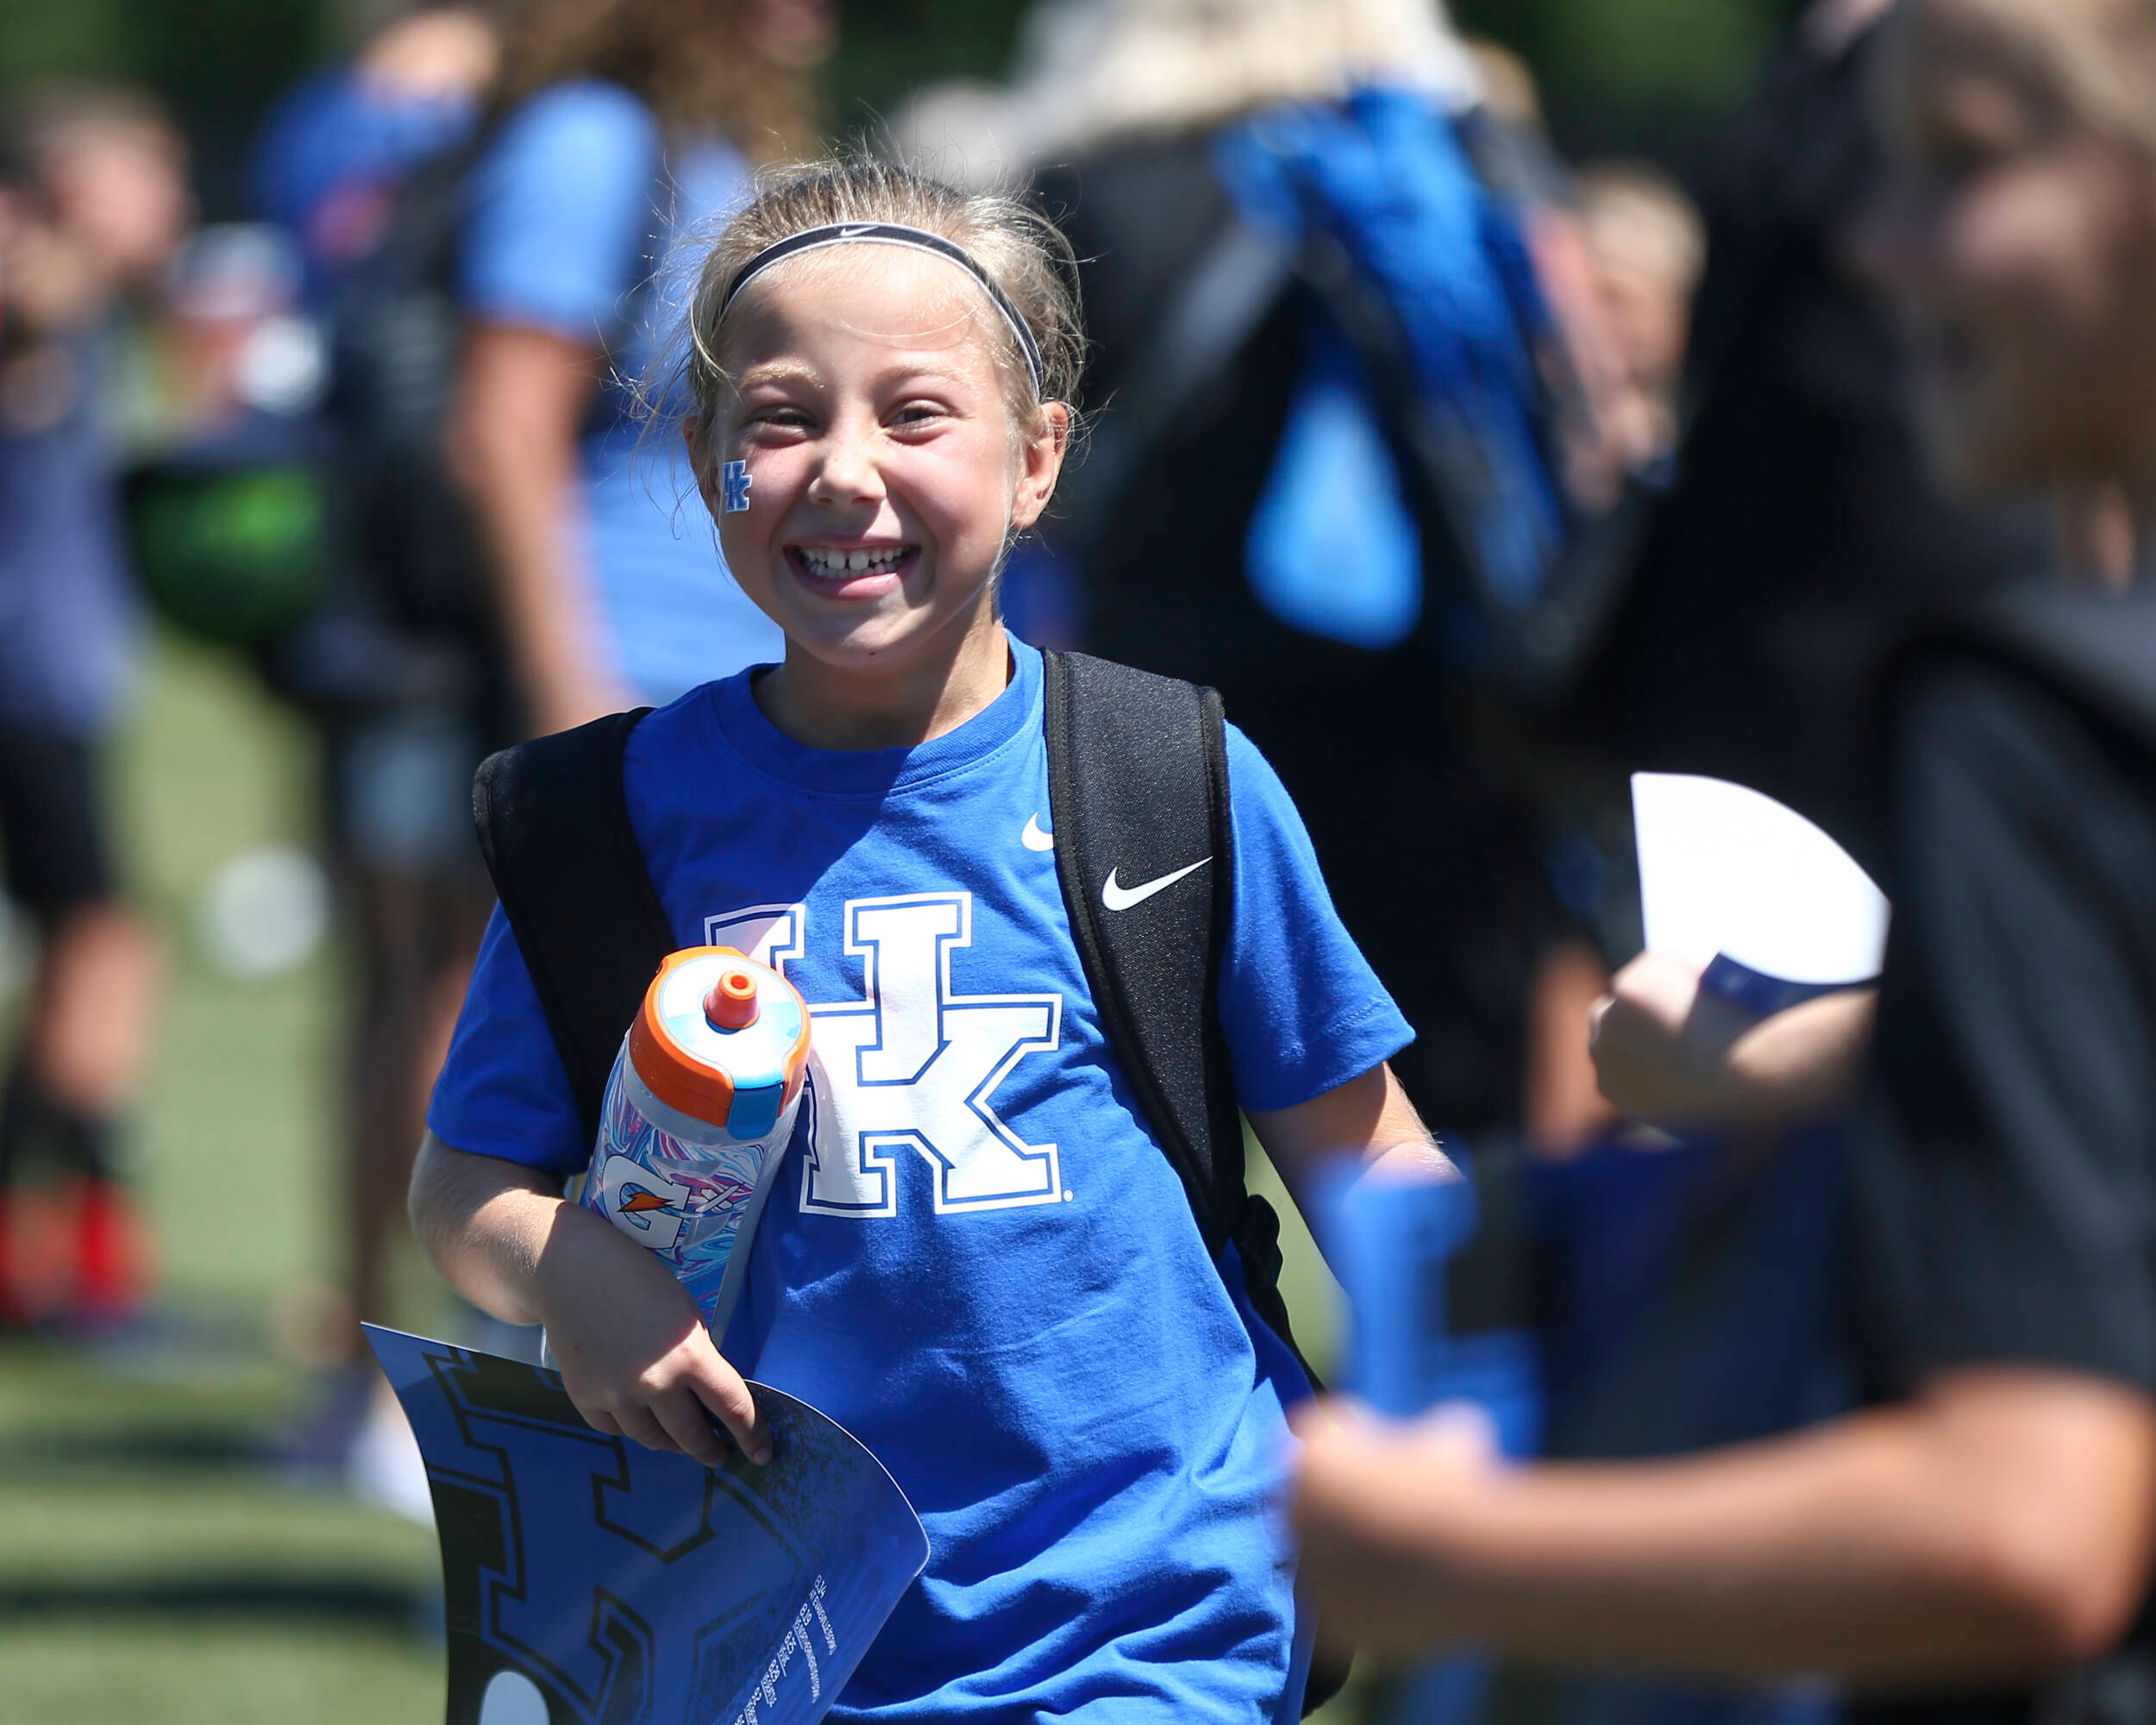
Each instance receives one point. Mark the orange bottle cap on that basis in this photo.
(679, 1059)
(731, 1004)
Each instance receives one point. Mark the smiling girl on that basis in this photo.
(982, 1262)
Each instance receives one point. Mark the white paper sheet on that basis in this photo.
(1725, 870)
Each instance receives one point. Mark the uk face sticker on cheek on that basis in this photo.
(735, 483)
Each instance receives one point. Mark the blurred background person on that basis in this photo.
(399, 664)
(1803, 532)
(1209, 163)
(335, 151)
(1980, 1539)
(617, 124)
(93, 203)
(1646, 248)
(483, 195)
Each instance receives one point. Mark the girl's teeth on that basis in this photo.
(833, 563)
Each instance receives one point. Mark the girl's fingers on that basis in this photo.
(602, 1423)
(720, 1389)
(690, 1427)
(639, 1424)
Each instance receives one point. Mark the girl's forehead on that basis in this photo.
(874, 296)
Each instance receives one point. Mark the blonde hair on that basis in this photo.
(1636, 208)
(1022, 251)
(1093, 72)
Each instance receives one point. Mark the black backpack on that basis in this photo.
(1137, 782)
(396, 328)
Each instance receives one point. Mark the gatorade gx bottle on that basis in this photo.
(698, 1114)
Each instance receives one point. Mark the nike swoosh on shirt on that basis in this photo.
(1033, 838)
(1121, 897)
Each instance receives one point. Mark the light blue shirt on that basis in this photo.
(979, 1261)
(569, 204)
(70, 622)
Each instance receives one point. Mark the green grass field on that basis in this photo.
(151, 1568)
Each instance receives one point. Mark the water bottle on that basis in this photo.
(698, 1111)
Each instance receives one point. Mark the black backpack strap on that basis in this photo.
(554, 825)
(1137, 786)
(1137, 793)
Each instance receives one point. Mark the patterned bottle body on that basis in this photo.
(698, 1111)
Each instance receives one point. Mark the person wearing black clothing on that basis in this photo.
(1977, 1544)
(1804, 532)
(1435, 851)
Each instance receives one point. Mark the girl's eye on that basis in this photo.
(917, 413)
(779, 417)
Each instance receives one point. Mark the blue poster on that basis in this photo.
(591, 1581)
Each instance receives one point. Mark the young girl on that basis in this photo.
(983, 1263)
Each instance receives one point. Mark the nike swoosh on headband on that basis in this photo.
(893, 234)
(1117, 897)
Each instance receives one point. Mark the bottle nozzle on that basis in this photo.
(731, 1004)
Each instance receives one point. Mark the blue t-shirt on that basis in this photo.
(569, 204)
(980, 1260)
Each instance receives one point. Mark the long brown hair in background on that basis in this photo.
(696, 63)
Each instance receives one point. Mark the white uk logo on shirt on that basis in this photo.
(912, 1064)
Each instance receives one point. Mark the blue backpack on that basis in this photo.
(1415, 483)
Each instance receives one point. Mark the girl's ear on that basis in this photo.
(706, 482)
(1040, 464)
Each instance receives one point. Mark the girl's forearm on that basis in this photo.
(486, 1224)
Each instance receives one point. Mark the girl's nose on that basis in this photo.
(848, 473)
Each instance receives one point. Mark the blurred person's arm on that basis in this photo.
(1562, 1109)
(631, 1345)
(1998, 1526)
(520, 398)
(1668, 1051)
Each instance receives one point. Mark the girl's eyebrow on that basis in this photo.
(780, 371)
(903, 373)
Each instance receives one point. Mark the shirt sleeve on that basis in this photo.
(504, 1090)
(2005, 1196)
(561, 208)
(1303, 1010)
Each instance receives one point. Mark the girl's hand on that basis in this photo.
(632, 1349)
